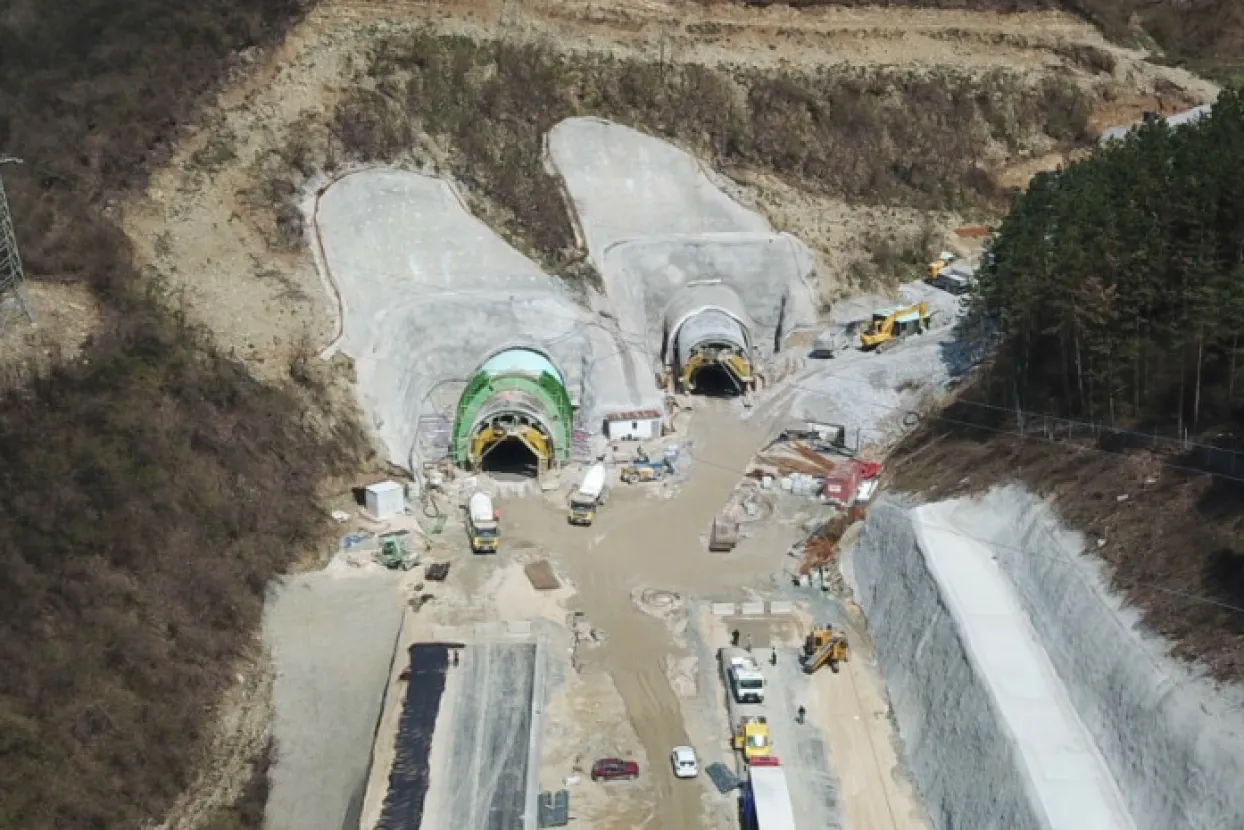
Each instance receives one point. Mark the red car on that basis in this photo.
(614, 769)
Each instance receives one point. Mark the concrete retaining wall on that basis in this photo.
(1174, 742)
(962, 763)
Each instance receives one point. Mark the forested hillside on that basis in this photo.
(1117, 390)
(1119, 282)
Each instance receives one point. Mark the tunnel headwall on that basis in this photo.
(517, 393)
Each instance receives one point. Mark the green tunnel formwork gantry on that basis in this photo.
(515, 394)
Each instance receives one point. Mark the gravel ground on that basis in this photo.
(802, 748)
(332, 636)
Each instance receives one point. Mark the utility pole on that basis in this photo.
(12, 278)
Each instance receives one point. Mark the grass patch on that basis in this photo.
(246, 813)
(870, 136)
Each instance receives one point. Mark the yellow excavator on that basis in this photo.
(889, 325)
(936, 266)
(822, 646)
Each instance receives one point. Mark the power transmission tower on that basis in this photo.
(12, 293)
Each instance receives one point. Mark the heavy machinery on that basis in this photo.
(752, 737)
(583, 501)
(936, 266)
(645, 469)
(734, 365)
(822, 646)
(483, 524)
(766, 797)
(393, 553)
(746, 680)
(889, 325)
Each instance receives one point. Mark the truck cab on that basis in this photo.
(746, 681)
(752, 738)
(483, 525)
(584, 500)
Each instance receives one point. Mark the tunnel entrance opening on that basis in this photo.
(713, 380)
(511, 457)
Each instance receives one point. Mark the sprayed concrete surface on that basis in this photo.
(418, 278)
(654, 222)
(877, 392)
(1174, 740)
(332, 636)
(1064, 769)
(992, 734)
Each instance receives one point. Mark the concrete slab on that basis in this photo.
(724, 609)
(332, 637)
(1066, 774)
(752, 609)
(480, 778)
(781, 607)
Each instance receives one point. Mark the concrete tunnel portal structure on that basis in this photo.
(514, 415)
(708, 342)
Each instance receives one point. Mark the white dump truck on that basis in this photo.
(584, 501)
(483, 525)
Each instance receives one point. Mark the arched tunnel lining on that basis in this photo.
(711, 351)
(517, 395)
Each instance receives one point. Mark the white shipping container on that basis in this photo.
(384, 500)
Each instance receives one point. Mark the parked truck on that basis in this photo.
(483, 524)
(585, 500)
(746, 680)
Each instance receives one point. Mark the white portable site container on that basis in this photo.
(385, 500)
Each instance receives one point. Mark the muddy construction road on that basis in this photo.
(640, 541)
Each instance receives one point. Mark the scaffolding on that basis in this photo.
(12, 294)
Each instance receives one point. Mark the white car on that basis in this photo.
(685, 764)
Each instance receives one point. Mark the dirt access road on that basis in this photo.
(638, 542)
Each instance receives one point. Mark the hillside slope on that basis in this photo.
(1116, 389)
(149, 486)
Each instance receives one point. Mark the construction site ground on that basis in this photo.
(635, 675)
(628, 644)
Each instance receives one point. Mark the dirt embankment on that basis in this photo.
(867, 132)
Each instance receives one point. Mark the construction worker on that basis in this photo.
(800, 715)
(455, 659)
(734, 638)
(749, 642)
(773, 657)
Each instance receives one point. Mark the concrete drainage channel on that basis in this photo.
(1024, 696)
